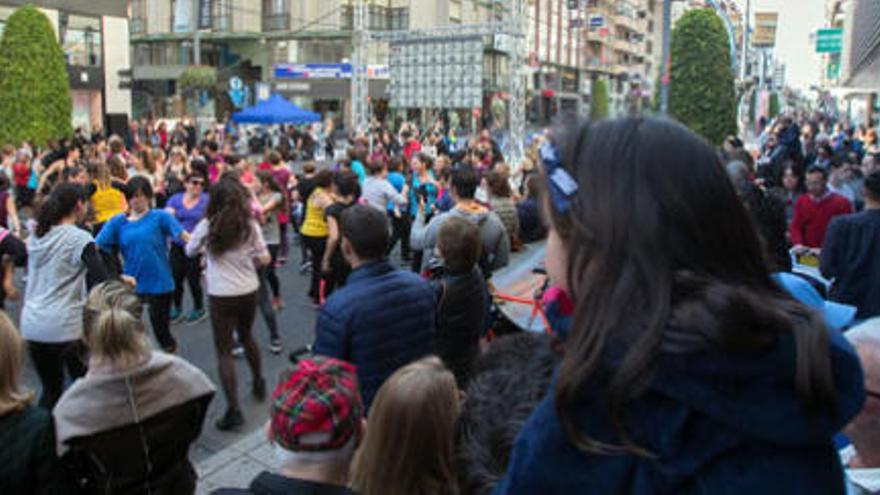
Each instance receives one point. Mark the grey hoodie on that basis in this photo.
(496, 242)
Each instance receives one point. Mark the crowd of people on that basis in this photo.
(689, 350)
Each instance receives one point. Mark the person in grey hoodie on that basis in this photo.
(62, 262)
(496, 242)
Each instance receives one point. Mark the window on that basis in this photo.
(221, 15)
(346, 18)
(398, 18)
(138, 16)
(81, 39)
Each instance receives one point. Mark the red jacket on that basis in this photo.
(812, 217)
(409, 148)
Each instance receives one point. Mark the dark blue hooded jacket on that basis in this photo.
(717, 423)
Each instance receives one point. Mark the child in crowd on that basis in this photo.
(461, 297)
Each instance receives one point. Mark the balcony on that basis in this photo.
(630, 23)
(628, 47)
(276, 22)
(595, 64)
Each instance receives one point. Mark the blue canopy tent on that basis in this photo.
(275, 110)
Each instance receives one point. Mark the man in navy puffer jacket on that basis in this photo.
(383, 318)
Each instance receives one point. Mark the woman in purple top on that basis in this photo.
(188, 208)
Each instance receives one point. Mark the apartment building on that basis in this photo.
(860, 60)
(94, 38)
(303, 47)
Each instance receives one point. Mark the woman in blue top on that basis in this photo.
(422, 190)
(188, 208)
(685, 369)
(141, 237)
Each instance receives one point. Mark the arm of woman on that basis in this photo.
(96, 270)
(322, 200)
(197, 240)
(44, 176)
(332, 243)
(14, 222)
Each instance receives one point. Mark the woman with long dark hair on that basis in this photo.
(235, 248)
(62, 262)
(685, 369)
(346, 192)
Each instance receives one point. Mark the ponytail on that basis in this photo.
(60, 203)
(113, 326)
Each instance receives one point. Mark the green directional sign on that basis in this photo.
(829, 40)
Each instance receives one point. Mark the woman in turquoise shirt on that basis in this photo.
(422, 191)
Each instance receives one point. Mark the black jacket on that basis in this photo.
(461, 311)
(28, 463)
(849, 256)
(108, 462)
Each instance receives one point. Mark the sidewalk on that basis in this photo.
(236, 465)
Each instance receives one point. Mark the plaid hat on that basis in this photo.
(319, 396)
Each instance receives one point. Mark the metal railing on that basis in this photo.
(276, 22)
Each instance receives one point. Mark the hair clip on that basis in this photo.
(562, 184)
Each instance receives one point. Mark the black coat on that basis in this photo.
(113, 461)
(461, 311)
(28, 463)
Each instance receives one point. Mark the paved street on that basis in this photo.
(296, 323)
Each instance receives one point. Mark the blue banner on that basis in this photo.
(312, 71)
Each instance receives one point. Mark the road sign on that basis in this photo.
(829, 40)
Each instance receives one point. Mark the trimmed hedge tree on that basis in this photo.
(598, 100)
(34, 90)
(702, 95)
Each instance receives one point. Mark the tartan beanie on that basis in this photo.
(320, 396)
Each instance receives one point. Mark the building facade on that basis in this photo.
(94, 38)
(302, 49)
(860, 59)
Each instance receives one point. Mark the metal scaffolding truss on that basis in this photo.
(513, 25)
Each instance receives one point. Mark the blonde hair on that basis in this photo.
(408, 446)
(113, 327)
(12, 398)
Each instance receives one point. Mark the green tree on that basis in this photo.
(774, 105)
(34, 90)
(702, 95)
(598, 100)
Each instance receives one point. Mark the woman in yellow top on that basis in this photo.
(105, 196)
(314, 230)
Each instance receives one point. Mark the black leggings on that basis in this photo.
(50, 359)
(400, 231)
(189, 269)
(271, 275)
(160, 318)
(316, 246)
(266, 308)
(234, 316)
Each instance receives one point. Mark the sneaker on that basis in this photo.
(259, 389)
(275, 346)
(175, 315)
(238, 350)
(305, 266)
(277, 304)
(195, 316)
(231, 420)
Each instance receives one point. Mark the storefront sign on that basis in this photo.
(326, 71)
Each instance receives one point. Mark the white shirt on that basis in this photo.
(859, 481)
